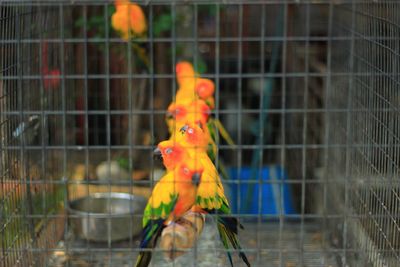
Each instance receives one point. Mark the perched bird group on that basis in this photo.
(191, 182)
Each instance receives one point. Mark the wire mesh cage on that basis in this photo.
(308, 91)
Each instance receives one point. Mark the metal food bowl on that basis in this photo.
(107, 216)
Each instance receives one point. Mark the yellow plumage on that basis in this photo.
(174, 184)
(195, 142)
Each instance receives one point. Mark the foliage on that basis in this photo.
(97, 23)
(162, 24)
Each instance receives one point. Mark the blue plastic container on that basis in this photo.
(276, 197)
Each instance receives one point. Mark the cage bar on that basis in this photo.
(308, 90)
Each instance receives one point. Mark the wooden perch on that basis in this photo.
(181, 235)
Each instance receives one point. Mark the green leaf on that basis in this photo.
(79, 22)
(161, 24)
(201, 66)
(111, 10)
(123, 163)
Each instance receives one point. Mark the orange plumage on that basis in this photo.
(171, 198)
(196, 112)
(190, 146)
(187, 120)
(129, 18)
(191, 86)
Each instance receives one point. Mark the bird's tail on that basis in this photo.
(228, 229)
(150, 234)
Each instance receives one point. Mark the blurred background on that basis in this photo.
(308, 90)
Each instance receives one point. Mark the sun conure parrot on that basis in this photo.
(210, 193)
(198, 113)
(128, 18)
(203, 144)
(186, 78)
(173, 152)
(178, 114)
(172, 196)
(192, 87)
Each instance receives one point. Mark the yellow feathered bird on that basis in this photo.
(190, 146)
(191, 87)
(198, 113)
(174, 152)
(195, 112)
(172, 197)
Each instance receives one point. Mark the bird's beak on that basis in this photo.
(157, 153)
(169, 115)
(196, 178)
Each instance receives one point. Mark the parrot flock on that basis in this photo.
(191, 182)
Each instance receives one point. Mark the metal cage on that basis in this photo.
(309, 91)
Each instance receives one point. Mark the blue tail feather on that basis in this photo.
(150, 234)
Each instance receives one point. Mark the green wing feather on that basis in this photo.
(150, 234)
(228, 230)
(222, 170)
(224, 239)
(227, 225)
(160, 212)
(216, 124)
(153, 224)
(215, 127)
(212, 201)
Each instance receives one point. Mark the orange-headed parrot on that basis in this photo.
(210, 193)
(172, 196)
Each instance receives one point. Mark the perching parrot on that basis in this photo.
(198, 113)
(128, 19)
(174, 152)
(172, 196)
(178, 114)
(191, 88)
(210, 194)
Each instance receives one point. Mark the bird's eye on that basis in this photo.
(190, 131)
(186, 170)
(168, 150)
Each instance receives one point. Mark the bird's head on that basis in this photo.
(191, 171)
(176, 112)
(205, 88)
(193, 136)
(184, 70)
(172, 153)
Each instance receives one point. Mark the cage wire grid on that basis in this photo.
(310, 86)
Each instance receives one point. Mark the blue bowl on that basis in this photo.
(270, 195)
